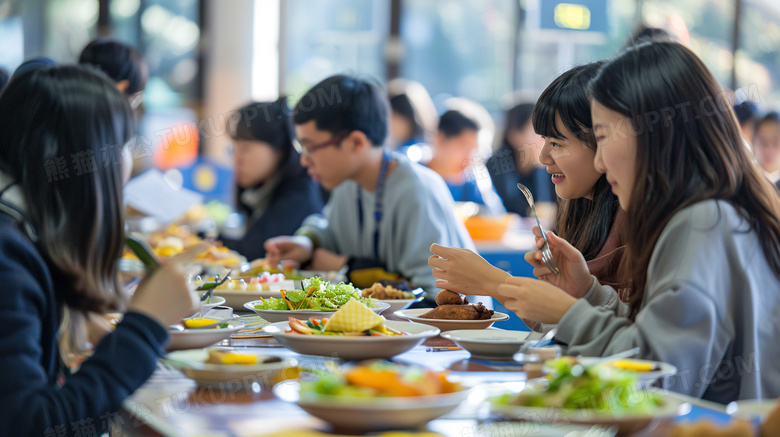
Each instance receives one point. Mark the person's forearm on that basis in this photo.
(498, 277)
(326, 260)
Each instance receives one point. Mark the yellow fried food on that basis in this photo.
(447, 297)
(635, 365)
(219, 356)
(199, 322)
(771, 425)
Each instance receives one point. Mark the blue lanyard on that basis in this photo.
(380, 188)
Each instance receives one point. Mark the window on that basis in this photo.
(460, 48)
(326, 37)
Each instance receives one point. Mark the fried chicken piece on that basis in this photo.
(385, 292)
(447, 297)
(459, 312)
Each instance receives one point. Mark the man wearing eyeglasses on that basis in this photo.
(384, 212)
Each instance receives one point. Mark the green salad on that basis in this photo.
(317, 294)
(604, 389)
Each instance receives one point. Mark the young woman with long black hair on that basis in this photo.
(61, 234)
(273, 191)
(588, 212)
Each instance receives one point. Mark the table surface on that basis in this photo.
(171, 404)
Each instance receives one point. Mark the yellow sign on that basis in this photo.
(205, 178)
(572, 16)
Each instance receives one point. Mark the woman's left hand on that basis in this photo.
(534, 299)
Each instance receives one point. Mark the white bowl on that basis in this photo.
(353, 348)
(673, 407)
(664, 369)
(489, 344)
(215, 301)
(449, 325)
(282, 315)
(751, 409)
(192, 363)
(400, 304)
(199, 338)
(370, 414)
(236, 298)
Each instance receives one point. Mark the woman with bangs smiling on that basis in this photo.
(588, 212)
(702, 231)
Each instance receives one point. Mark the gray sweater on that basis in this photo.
(418, 211)
(711, 307)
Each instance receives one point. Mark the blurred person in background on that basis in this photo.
(517, 161)
(33, 64)
(453, 147)
(122, 63)
(766, 145)
(274, 193)
(747, 115)
(457, 159)
(413, 119)
(3, 78)
(645, 33)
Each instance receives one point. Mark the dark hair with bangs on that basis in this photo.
(271, 123)
(583, 222)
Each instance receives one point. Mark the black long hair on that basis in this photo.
(59, 125)
(119, 61)
(269, 122)
(691, 152)
(585, 223)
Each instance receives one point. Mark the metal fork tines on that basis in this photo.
(547, 257)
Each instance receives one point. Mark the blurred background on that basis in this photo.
(208, 57)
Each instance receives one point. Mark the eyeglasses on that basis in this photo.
(307, 151)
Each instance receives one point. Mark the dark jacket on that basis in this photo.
(505, 177)
(293, 199)
(31, 401)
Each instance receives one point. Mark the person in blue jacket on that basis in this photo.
(517, 161)
(274, 193)
(61, 234)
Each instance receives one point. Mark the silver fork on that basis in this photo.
(547, 257)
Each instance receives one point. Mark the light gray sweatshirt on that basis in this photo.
(711, 307)
(418, 211)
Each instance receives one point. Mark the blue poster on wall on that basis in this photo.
(577, 15)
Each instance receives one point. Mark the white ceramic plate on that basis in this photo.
(672, 407)
(400, 304)
(237, 298)
(199, 338)
(751, 409)
(353, 348)
(371, 414)
(282, 315)
(665, 369)
(192, 363)
(333, 276)
(215, 301)
(449, 325)
(489, 344)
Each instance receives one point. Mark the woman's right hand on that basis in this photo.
(166, 295)
(463, 271)
(574, 278)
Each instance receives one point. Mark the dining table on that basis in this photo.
(170, 404)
